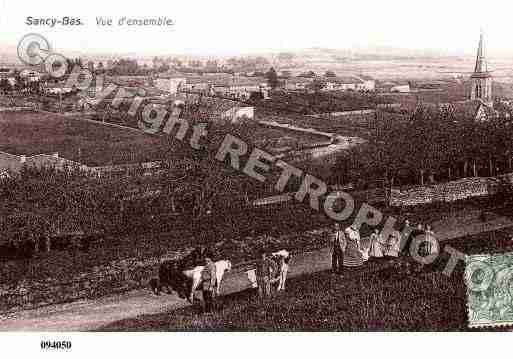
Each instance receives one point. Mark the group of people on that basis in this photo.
(349, 250)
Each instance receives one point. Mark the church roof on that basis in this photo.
(476, 109)
(462, 110)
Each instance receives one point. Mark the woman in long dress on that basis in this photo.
(352, 256)
(376, 245)
(393, 245)
(431, 242)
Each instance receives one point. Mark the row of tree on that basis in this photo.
(189, 189)
(433, 145)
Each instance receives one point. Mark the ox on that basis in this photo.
(194, 274)
(186, 281)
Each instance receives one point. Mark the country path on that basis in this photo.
(85, 315)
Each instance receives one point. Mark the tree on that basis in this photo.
(5, 86)
(317, 84)
(272, 78)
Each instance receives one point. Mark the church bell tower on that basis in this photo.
(481, 79)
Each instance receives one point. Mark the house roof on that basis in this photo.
(211, 105)
(469, 109)
(299, 80)
(365, 77)
(240, 81)
(464, 107)
(344, 80)
(60, 85)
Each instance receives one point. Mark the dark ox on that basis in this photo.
(171, 275)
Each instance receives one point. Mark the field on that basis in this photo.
(418, 68)
(383, 295)
(32, 133)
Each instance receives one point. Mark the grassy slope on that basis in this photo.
(382, 295)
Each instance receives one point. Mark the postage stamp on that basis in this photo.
(489, 281)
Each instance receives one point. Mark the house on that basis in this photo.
(11, 81)
(5, 73)
(400, 88)
(4, 174)
(239, 87)
(297, 83)
(171, 85)
(237, 114)
(367, 84)
(56, 89)
(349, 83)
(197, 83)
(342, 83)
(30, 76)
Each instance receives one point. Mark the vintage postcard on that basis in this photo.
(275, 166)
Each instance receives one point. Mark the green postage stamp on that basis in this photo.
(489, 280)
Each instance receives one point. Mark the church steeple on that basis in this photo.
(481, 79)
(481, 65)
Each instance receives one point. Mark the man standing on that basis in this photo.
(283, 258)
(208, 277)
(406, 236)
(264, 271)
(416, 232)
(337, 249)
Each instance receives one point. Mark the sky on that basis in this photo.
(226, 27)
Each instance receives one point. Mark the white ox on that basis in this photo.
(194, 274)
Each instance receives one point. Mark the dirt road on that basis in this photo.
(92, 314)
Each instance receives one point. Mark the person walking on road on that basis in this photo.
(337, 249)
(406, 236)
(432, 246)
(208, 277)
(283, 259)
(353, 256)
(376, 245)
(393, 245)
(265, 270)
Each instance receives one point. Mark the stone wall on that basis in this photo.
(18, 108)
(114, 277)
(444, 192)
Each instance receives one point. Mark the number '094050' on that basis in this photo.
(57, 345)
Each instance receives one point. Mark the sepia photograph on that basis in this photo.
(258, 167)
